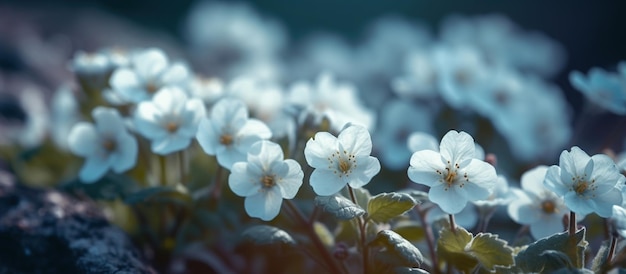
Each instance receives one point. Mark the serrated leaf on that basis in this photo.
(490, 251)
(324, 234)
(339, 206)
(267, 235)
(399, 247)
(419, 196)
(530, 259)
(410, 230)
(451, 248)
(385, 206)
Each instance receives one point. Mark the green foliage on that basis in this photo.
(410, 230)
(110, 187)
(397, 250)
(385, 206)
(535, 258)
(490, 251)
(324, 234)
(465, 252)
(162, 194)
(339, 206)
(267, 235)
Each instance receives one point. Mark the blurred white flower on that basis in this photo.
(65, 113)
(537, 206)
(105, 145)
(265, 179)
(461, 71)
(209, 90)
(170, 120)
(605, 89)
(149, 71)
(229, 133)
(340, 160)
(336, 101)
(619, 219)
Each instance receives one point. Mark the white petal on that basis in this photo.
(481, 173)
(125, 156)
(252, 131)
(207, 137)
(227, 157)
(176, 74)
(553, 181)
(170, 100)
(108, 120)
(241, 183)
(603, 204)
(424, 167)
(265, 153)
(319, 148)
(126, 82)
(457, 147)
(448, 199)
(264, 205)
(366, 168)
(605, 173)
(150, 63)
(229, 114)
(356, 140)
(171, 143)
(191, 116)
(291, 181)
(524, 211)
(474, 192)
(547, 226)
(532, 180)
(422, 141)
(325, 182)
(93, 169)
(574, 162)
(83, 139)
(578, 204)
(147, 120)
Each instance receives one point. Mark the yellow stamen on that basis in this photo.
(268, 181)
(548, 207)
(226, 139)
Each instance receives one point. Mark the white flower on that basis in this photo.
(265, 179)
(341, 160)
(537, 206)
(338, 102)
(149, 71)
(619, 219)
(603, 88)
(105, 145)
(169, 120)
(501, 195)
(65, 114)
(453, 175)
(229, 133)
(588, 184)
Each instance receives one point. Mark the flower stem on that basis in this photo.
(314, 237)
(216, 191)
(362, 226)
(452, 223)
(163, 169)
(181, 166)
(609, 257)
(430, 238)
(572, 223)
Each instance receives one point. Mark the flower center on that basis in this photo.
(226, 139)
(151, 87)
(268, 181)
(344, 165)
(171, 127)
(450, 177)
(581, 187)
(548, 207)
(109, 145)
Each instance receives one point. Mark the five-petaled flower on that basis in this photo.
(229, 133)
(170, 120)
(453, 174)
(588, 184)
(341, 160)
(265, 179)
(105, 145)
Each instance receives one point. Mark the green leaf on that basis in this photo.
(324, 234)
(599, 262)
(419, 196)
(339, 206)
(399, 248)
(410, 230)
(451, 247)
(267, 235)
(556, 260)
(385, 206)
(490, 251)
(531, 259)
